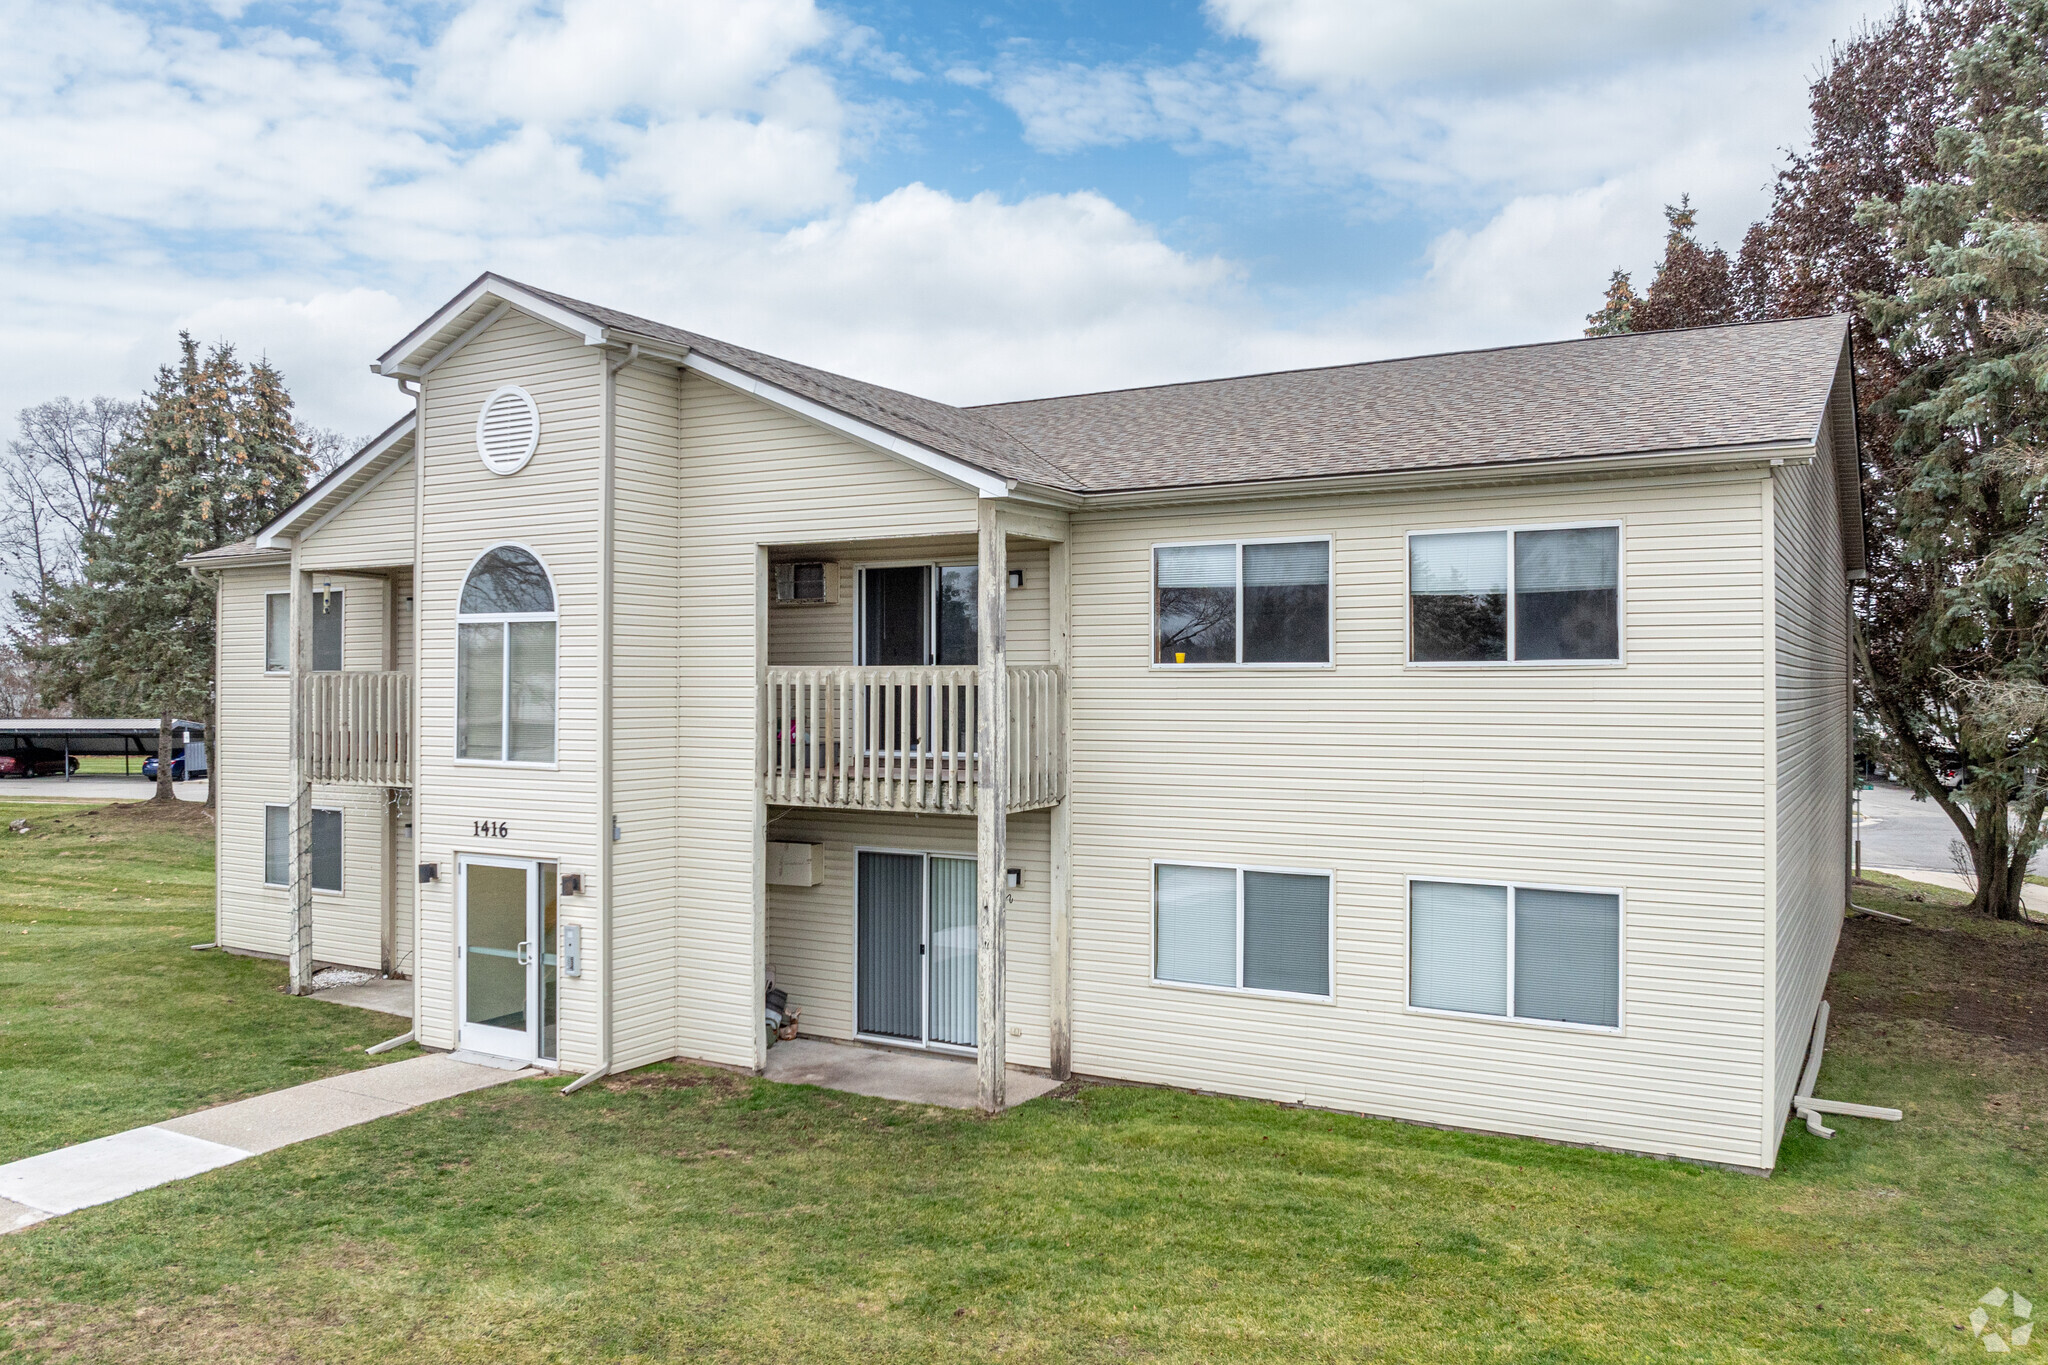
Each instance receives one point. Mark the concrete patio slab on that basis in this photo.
(114, 1167)
(382, 995)
(279, 1119)
(14, 1216)
(110, 1168)
(888, 1074)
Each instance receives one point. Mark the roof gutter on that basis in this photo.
(1527, 471)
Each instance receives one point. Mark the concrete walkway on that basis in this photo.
(115, 1167)
(381, 994)
(893, 1074)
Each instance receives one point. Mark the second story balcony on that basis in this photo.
(356, 728)
(904, 739)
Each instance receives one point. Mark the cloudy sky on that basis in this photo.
(976, 201)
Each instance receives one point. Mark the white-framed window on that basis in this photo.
(506, 661)
(1515, 594)
(1241, 603)
(1542, 954)
(1241, 928)
(277, 632)
(323, 645)
(277, 847)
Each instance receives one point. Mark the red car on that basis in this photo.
(29, 760)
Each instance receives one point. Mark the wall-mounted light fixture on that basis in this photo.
(1016, 578)
(430, 872)
(1014, 877)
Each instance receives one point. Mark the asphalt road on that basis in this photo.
(1900, 832)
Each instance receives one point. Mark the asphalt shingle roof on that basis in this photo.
(1749, 384)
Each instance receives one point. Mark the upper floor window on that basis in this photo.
(505, 660)
(277, 632)
(1515, 595)
(1242, 602)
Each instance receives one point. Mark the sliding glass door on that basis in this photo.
(915, 973)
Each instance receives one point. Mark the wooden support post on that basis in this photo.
(300, 945)
(992, 808)
(387, 907)
(1062, 881)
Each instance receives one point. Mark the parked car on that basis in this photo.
(178, 773)
(31, 760)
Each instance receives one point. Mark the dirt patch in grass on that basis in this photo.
(675, 1076)
(124, 818)
(1970, 974)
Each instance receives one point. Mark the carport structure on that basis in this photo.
(135, 736)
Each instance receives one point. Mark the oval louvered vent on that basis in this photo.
(507, 430)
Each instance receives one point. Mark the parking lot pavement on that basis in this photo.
(1899, 832)
(93, 790)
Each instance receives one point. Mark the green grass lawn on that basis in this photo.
(108, 1019)
(685, 1213)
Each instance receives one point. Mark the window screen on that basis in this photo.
(277, 632)
(1287, 603)
(327, 850)
(1287, 932)
(1458, 947)
(1566, 594)
(326, 632)
(277, 845)
(1568, 957)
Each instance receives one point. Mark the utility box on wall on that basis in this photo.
(794, 865)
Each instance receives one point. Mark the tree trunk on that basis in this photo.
(164, 791)
(2001, 868)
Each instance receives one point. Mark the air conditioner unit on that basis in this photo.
(808, 582)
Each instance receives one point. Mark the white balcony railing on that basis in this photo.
(356, 728)
(904, 738)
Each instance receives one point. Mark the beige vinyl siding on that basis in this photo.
(824, 635)
(553, 507)
(374, 531)
(1646, 778)
(648, 598)
(752, 476)
(1812, 739)
(254, 747)
(811, 929)
(404, 866)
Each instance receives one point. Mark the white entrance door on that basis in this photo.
(508, 957)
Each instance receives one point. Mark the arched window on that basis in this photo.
(505, 660)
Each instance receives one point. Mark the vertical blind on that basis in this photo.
(1195, 937)
(479, 690)
(1458, 947)
(889, 910)
(530, 649)
(953, 1017)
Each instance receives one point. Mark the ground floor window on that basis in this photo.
(277, 848)
(1241, 928)
(1521, 952)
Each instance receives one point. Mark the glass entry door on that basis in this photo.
(509, 966)
(916, 979)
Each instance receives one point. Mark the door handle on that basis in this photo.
(524, 960)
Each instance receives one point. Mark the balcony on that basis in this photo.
(356, 728)
(903, 739)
